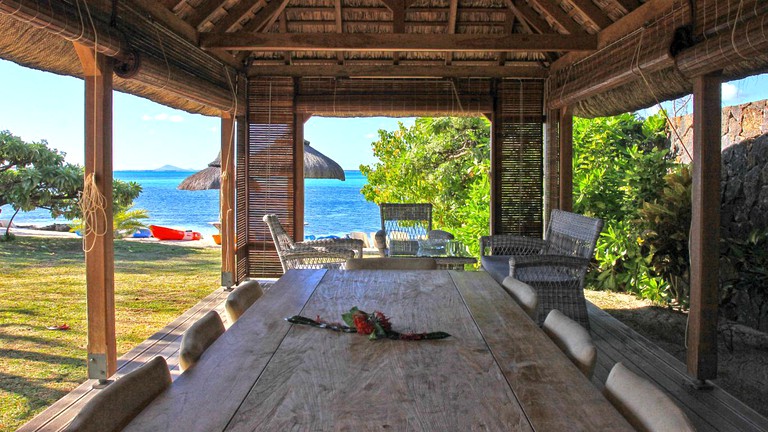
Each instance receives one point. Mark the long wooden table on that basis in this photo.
(498, 371)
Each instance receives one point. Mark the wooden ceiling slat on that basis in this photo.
(339, 27)
(558, 14)
(202, 12)
(390, 71)
(243, 41)
(237, 13)
(592, 12)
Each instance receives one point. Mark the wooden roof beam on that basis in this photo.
(386, 42)
(390, 71)
(238, 12)
(629, 5)
(559, 16)
(593, 13)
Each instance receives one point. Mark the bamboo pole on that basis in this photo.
(227, 200)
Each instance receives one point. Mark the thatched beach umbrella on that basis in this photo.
(316, 165)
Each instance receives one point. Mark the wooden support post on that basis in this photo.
(705, 229)
(551, 164)
(495, 200)
(566, 159)
(99, 246)
(227, 200)
(298, 180)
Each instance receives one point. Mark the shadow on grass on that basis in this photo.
(54, 251)
(42, 357)
(35, 392)
(9, 338)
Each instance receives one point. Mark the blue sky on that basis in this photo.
(39, 105)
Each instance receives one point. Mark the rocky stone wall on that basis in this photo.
(739, 123)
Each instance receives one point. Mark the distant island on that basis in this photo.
(170, 168)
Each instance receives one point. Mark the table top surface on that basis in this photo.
(497, 371)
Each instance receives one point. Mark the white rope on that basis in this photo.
(733, 31)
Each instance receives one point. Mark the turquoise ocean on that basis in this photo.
(332, 207)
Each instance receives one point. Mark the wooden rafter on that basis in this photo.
(284, 29)
(243, 41)
(339, 27)
(555, 12)
(528, 17)
(592, 12)
(390, 71)
(202, 12)
(509, 25)
(451, 29)
(629, 5)
(265, 17)
(237, 13)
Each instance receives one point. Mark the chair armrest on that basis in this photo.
(543, 267)
(307, 257)
(507, 244)
(355, 245)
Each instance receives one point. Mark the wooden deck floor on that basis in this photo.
(710, 410)
(165, 342)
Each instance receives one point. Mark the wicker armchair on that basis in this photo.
(311, 254)
(402, 226)
(555, 266)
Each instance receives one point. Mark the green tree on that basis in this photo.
(444, 161)
(32, 175)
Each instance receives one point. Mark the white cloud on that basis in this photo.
(729, 92)
(372, 135)
(176, 118)
(146, 117)
(161, 116)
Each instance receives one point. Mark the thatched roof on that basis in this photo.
(191, 51)
(316, 165)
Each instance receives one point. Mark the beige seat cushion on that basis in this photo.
(198, 337)
(573, 339)
(117, 404)
(644, 406)
(523, 294)
(391, 264)
(239, 300)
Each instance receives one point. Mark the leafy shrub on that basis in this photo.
(744, 274)
(667, 222)
(444, 161)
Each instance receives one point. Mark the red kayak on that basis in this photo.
(163, 233)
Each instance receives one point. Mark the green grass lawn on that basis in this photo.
(42, 283)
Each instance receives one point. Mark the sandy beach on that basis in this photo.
(206, 242)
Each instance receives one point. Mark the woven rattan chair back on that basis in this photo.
(282, 240)
(411, 222)
(117, 404)
(572, 234)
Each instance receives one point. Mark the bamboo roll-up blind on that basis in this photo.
(518, 145)
(270, 169)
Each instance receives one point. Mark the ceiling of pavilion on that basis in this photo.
(511, 38)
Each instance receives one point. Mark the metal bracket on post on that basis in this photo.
(227, 282)
(97, 369)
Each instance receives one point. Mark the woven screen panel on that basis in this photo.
(519, 140)
(241, 207)
(414, 97)
(270, 169)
